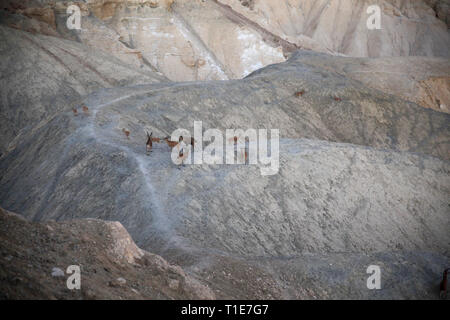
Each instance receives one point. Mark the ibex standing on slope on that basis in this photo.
(241, 151)
(171, 144)
(149, 143)
(183, 153)
(298, 94)
(127, 133)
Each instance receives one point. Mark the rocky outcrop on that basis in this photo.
(434, 92)
(34, 257)
(441, 8)
(341, 26)
(238, 39)
(321, 186)
(45, 15)
(29, 16)
(192, 41)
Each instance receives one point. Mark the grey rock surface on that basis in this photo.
(364, 175)
(43, 75)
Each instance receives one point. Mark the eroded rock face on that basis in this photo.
(340, 25)
(45, 15)
(192, 41)
(217, 40)
(441, 8)
(29, 16)
(198, 40)
(123, 246)
(318, 182)
(31, 252)
(112, 267)
(434, 92)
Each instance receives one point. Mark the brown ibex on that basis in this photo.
(242, 151)
(171, 144)
(149, 143)
(298, 94)
(157, 140)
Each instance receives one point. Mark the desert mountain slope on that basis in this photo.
(43, 75)
(364, 171)
(59, 73)
(34, 256)
(95, 171)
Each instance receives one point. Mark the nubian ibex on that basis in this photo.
(149, 143)
(127, 133)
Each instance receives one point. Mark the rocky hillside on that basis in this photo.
(364, 171)
(43, 75)
(408, 28)
(328, 197)
(34, 257)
